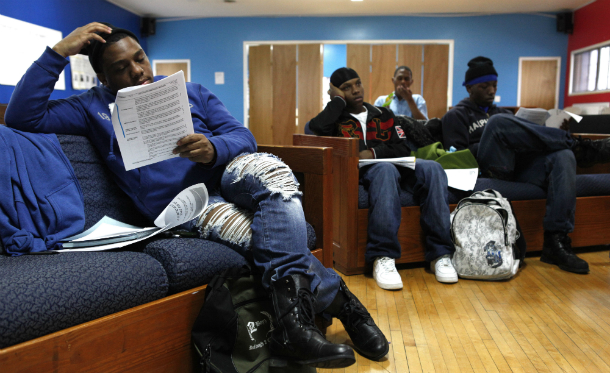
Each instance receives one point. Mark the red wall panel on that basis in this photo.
(590, 27)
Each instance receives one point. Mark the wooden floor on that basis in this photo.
(542, 320)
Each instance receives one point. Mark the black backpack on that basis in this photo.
(231, 332)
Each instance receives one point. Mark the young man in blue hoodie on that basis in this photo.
(255, 207)
(511, 148)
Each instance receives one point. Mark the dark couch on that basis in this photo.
(127, 309)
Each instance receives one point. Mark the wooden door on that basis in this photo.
(382, 69)
(260, 85)
(539, 79)
(359, 59)
(272, 83)
(310, 73)
(436, 78)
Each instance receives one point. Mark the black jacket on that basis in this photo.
(463, 125)
(383, 136)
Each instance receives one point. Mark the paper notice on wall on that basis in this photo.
(83, 76)
(21, 44)
(149, 120)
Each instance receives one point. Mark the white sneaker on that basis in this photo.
(385, 273)
(443, 269)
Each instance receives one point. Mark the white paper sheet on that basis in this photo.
(186, 206)
(403, 162)
(83, 75)
(558, 116)
(21, 44)
(148, 120)
(462, 179)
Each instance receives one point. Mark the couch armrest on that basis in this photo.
(345, 190)
(315, 163)
(598, 168)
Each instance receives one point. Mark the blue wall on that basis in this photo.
(216, 44)
(335, 57)
(66, 16)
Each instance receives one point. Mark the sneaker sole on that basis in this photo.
(390, 286)
(447, 280)
(563, 267)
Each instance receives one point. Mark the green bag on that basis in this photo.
(232, 331)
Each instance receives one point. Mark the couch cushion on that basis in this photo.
(102, 195)
(41, 294)
(191, 262)
(586, 186)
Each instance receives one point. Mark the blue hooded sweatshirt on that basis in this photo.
(41, 202)
(150, 187)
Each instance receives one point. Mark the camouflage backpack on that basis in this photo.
(487, 238)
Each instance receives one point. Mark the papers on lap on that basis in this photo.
(462, 179)
(111, 234)
(149, 119)
(549, 118)
(403, 162)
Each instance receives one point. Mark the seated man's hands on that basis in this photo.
(79, 38)
(197, 148)
(366, 154)
(334, 92)
(405, 93)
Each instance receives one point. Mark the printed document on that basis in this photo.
(402, 161)
(549, 118)
(111, 234)
(149, 119)
(462, 179)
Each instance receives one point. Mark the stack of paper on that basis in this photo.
(403, 162)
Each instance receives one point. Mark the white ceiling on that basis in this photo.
(249, 8)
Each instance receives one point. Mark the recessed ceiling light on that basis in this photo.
(357, 0)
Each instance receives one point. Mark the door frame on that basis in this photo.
(557, 77)
(247, 44)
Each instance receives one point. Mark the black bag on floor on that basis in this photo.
(232, 331)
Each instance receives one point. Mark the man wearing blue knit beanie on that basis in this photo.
(512, 148)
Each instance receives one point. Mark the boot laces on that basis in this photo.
(304, 304)
(356, 313)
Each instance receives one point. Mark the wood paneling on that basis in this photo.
(284, 75)
(538, 83)
(261, 93)
(410, 55)
(2, 111)
(382, 70)
(310, 72)
(436, 75)
(169, 68)
(359, 59)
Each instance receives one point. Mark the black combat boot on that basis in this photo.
(295, 336)
(557, 249)
(368, 339)
(591, 152)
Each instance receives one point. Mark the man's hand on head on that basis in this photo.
(334, 92)
(196, 147)
(79, 38)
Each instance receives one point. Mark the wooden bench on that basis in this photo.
(350, 223)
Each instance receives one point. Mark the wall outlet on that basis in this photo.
(497, 99)
(219, 77)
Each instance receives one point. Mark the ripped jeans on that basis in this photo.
(257, 211)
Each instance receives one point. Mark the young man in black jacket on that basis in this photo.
(511, 148)
(347, 115)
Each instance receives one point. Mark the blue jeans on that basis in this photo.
(257, 211)
(428, 183)
(515, 149)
